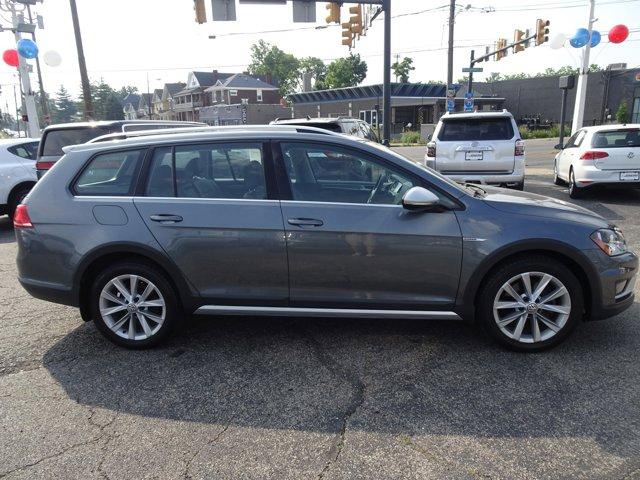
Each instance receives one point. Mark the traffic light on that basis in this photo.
(334, 13)
(542, 31)
(500, 44)
(347, 35)
(201, 13)
(356, 19)
(518, 36)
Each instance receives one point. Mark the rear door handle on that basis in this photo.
(166, 218)
(305, 222)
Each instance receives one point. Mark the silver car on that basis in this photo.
(140, 232)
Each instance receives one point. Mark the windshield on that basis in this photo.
(473, 129)
(54, 140)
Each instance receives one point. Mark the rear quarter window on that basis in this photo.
(110, 174)
(469, 129)
(25, 150)
(627, 137)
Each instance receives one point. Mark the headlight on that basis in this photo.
(610, 240)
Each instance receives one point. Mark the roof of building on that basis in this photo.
(242, 80)
(206, 79)
(174, 88)
(131, 99)
(145, 98)
(370, 91)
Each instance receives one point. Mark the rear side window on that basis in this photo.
(25, 150)
(465, 129)
(54, 140)
(110, 174)
(625, 137)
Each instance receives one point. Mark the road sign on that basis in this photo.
(468, 102)
(472, 69)
(451, 104)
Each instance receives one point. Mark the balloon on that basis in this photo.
(52, 58)
(27, 48)
(595, 38)
(10, 57)
(557, 41)
(580, 38)
(618, 34)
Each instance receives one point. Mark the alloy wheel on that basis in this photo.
(132, 307)
(532, 307)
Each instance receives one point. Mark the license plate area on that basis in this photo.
(629, 176)
(473, 156)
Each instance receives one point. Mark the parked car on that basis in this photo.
(602, 156)
(17, 172)
(55, 137)
(139, 232)
(346, 125)
(478, 147)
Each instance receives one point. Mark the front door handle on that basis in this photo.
(305, 222)
(166, 218)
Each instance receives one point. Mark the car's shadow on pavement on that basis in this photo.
(398, 377)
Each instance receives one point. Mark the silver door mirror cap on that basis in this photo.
(419, 198)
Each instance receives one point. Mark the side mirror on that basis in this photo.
(418, 198)
(558, 146)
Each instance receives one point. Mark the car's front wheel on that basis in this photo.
(133, 305)
(531, 303)
(556, 179)
(574, 190)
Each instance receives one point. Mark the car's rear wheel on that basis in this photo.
(16, 199)
(519, 186)
(556, 179)
(133, 305)
(531, 304)
(574, 190)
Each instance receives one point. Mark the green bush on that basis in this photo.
(410, 138)
(622, 114)
(552, 132)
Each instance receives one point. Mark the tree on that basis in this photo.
(402, 69)
(346, 72)
(623, 113)
(267, 59)
(63, 108)
(314, 67)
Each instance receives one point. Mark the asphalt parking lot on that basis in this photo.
(319, 398)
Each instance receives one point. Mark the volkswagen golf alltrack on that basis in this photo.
(141, 232)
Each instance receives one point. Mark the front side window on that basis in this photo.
(230, 171)
(110, 174)
(328, 173)
(576, 139)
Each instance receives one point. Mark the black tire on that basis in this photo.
(16, 199)
(147, 273)
(519, 186)
(574, 190)
(556, 179)
(503, 274)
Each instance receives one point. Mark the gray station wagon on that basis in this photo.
(140, 232)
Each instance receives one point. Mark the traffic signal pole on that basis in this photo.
(386, 84)
(581, 90)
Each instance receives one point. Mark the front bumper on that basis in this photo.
(618, 276)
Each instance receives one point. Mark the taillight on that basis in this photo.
(21, 217)
(519, 150)
(44, 165)
(431, 150)
(593, 154)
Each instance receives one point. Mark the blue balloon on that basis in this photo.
(580, 38)
(595, 38)
(27, 48)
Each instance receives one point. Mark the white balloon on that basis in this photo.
(557, 41)
(52, 58)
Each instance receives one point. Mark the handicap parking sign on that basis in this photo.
(451, 105)
(468, 102)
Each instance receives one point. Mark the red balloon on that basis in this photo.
(10, 57)
(618, 34)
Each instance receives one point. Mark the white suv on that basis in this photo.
(606, 155)
(17, 172)
(478, 147)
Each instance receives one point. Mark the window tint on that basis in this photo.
(627, 137)
(111, 174)
(208, 171)
(576, 139)
(25, 150)
(54, 140)
(325, 173)
(464, 129)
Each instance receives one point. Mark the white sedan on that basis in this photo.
(17, 171)
(606, 155)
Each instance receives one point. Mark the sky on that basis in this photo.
(147, 43)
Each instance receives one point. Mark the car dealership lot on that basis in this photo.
(326, 398)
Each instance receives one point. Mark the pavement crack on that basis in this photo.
(185, 474)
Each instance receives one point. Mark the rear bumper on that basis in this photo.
(49, 292)
(40, 173)
(589, 176)
(478, 176)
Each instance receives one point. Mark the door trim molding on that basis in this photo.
(326, 312)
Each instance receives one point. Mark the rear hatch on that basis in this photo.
(484, 145)
(622, 147)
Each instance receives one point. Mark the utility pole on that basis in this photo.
(386, 85)
(86, 88)
(23, 70)
(452, 21)
(581, 90)
(44, 105)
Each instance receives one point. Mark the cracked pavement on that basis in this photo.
(318, 398)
